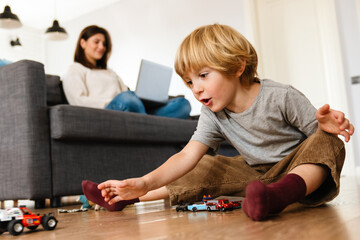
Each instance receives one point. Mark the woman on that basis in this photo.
(90, 83)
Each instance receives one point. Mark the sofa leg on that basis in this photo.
(40, 203)
(55, 202)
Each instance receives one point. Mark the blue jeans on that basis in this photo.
(128, 102)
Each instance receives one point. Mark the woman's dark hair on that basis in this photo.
(85, 34)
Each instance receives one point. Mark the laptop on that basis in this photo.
(153, 83)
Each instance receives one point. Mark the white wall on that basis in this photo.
(291, 47)
(349, 27)
(151, 29)
(31, 40)
(299, 43)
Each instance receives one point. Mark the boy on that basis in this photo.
(284, 143)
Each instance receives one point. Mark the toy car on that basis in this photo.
(182, 207)
(219, 204)
(237, 204)
(15, 219)
(210, 205)
(197, 207)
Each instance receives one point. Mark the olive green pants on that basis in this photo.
(229, 176)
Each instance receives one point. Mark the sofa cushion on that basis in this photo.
(54, 91)
(80, 123)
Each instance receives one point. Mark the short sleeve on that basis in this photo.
(299, 112)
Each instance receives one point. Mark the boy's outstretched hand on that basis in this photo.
(115, 190)
(334, 122)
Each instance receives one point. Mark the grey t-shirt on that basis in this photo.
(280, 118)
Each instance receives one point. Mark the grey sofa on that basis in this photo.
(48, 147)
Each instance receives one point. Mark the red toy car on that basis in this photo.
(15, 219)
(237, 204)
(220, 204)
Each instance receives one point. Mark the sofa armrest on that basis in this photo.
(25, 171)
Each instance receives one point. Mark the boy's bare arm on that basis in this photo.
(177, 166)
(174, 168)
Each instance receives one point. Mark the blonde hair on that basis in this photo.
(219, 47)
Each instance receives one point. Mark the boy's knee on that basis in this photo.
(325, 137)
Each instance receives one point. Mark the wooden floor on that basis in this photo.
(340, 219)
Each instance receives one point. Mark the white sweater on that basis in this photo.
(91, 87)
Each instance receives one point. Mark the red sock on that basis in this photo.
(261, 200)
(92, 193)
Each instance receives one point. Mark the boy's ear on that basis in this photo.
(241, 70)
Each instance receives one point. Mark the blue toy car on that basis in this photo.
(197, 207)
